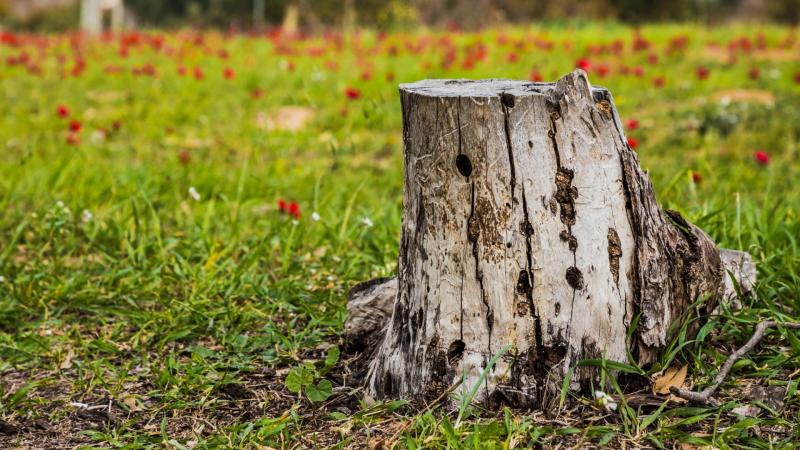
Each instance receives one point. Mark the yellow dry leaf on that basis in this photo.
(130, 401)
(66, 363)
(671, 377)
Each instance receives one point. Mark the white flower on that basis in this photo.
(2, 279)
(315, 216)
(194, 194)
(86, 216)
(98, 136)
(64, 209)
(366, 222)
(605, 401)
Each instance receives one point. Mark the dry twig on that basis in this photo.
(704, 397)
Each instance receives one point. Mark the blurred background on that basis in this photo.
(316, 15)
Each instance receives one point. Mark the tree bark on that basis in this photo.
(528, 225)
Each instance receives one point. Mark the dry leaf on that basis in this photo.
(131, 403)
(671, 377)
(66, 363)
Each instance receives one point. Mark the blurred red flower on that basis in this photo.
(631, 124)
(294, 210)
(696, 177)
(183, 157)
(73, 139)
(198, 73)
(352, 93)
(229, 73)
(702, 72)
(62, 111)
(633, 143)
(536, 76)
(583, 64)
(659, 82)
(74, 126)
(754, 73)
(761, 157)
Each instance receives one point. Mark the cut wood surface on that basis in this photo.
(528, 225)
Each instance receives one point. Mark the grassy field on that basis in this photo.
(183, 214)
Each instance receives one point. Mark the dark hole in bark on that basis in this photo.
(464, 165)
(507, 99)
(455, 351)
(530, 144)
(523, 283)
(575, 278)
(387, 383)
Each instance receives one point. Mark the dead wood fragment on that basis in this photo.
(704, 397)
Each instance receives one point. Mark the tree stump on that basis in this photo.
(528, 225)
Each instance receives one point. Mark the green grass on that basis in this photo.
(186, 315)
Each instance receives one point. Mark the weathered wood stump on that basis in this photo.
(527, 224)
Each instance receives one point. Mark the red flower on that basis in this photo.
(198, 73)
(282, 206)
(390, 76)
(536, 76)
(696, 177)
(659, 82)
(352, 93)
(761, 157)
(754, 73)
(182, 71)
(256, 93)
(633, 143)
(74, 126)
(797, 77)
(183, 157)
(294, 210)
(638, 71)
(583, 64)
(702, 72)
(631, 124)
(73, 139)
(229, 73)
(602, 70)
(62, 111)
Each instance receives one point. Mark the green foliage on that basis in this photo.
(182, 311)
(303, 378)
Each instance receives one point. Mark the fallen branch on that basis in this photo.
(704, 397)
